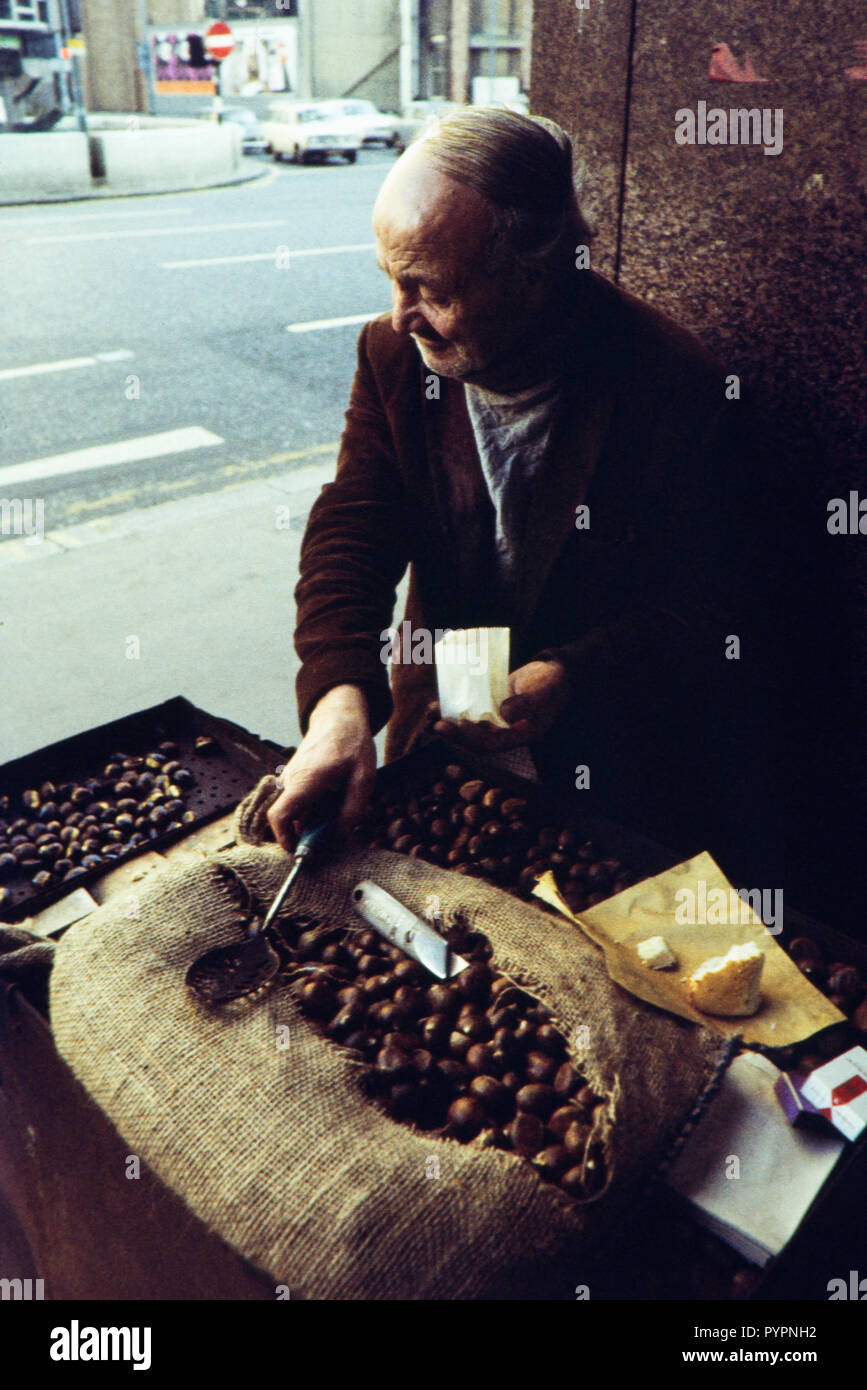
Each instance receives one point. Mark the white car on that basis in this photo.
(373, 127)
(252, 139)
(305, 132)
(417, 116)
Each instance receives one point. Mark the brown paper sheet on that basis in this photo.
(791, 1009)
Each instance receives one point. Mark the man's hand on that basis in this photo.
(337, 755)
(538, 694)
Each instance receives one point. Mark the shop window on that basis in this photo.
(501, 16)
(507, 62)
(38, 45)
(253, 9)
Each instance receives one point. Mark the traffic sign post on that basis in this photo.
(219, 43)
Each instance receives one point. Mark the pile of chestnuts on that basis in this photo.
(473, 1056)
(471, 826)
(466, 824)
(56, 833)
(844, 985)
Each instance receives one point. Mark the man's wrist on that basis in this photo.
(341, 700)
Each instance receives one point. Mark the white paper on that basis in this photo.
(473, 673)
(60, 915)
(764, 1195)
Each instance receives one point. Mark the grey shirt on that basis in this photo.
(512, 434)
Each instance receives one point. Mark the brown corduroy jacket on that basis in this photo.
(639, 605)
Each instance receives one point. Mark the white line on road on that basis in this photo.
(65, 364)
(314, 324)
(156, 231)
(97, 216)
(271, 255)
(146, 446)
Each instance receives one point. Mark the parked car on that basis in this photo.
(252, 137)
(416, 116)
(305, 132)
(373, 127)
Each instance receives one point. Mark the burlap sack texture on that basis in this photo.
(276, 1148)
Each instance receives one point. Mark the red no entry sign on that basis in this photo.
(219, 41)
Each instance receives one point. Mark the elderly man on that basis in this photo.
(548, 454)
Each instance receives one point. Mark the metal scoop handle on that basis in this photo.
(304, 848)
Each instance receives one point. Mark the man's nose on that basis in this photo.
(405, 316)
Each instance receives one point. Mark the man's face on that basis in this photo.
(433, 239)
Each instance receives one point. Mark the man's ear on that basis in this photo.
(495, 257)
(533, 285)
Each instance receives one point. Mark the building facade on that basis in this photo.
(474, 50)
(389, 51)
(35, 86)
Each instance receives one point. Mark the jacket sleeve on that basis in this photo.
(707, 575)
(354, 552)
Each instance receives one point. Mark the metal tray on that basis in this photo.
(836, 1217)
(222, 778)
(642, 857)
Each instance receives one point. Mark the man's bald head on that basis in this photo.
(473, 261)
(419, 201)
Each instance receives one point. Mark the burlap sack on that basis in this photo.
(276, 1148)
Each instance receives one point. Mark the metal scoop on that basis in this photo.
(230, 972)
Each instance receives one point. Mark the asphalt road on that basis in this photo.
(137, 317)
(175, 435)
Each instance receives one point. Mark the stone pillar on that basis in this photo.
(175, 13)
(111, 30)
(459, 51)
(527, 43)
(762, 255)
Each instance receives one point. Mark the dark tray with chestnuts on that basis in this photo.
(476, 1056)
(442, 805)
(72, 810)
(446, 807)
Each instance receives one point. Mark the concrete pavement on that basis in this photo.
(167, 567)
(192, 597)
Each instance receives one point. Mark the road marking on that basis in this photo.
(236, 474)
(90, 216)
(288, 457)
(315, 324)
(147, 514)
(146, 446)
(271, 255)
(156, 231)
(65, 364)
(303, 479)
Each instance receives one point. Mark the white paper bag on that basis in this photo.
(473, 673)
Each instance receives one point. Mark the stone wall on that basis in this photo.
(763, 256)
(354, 49)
